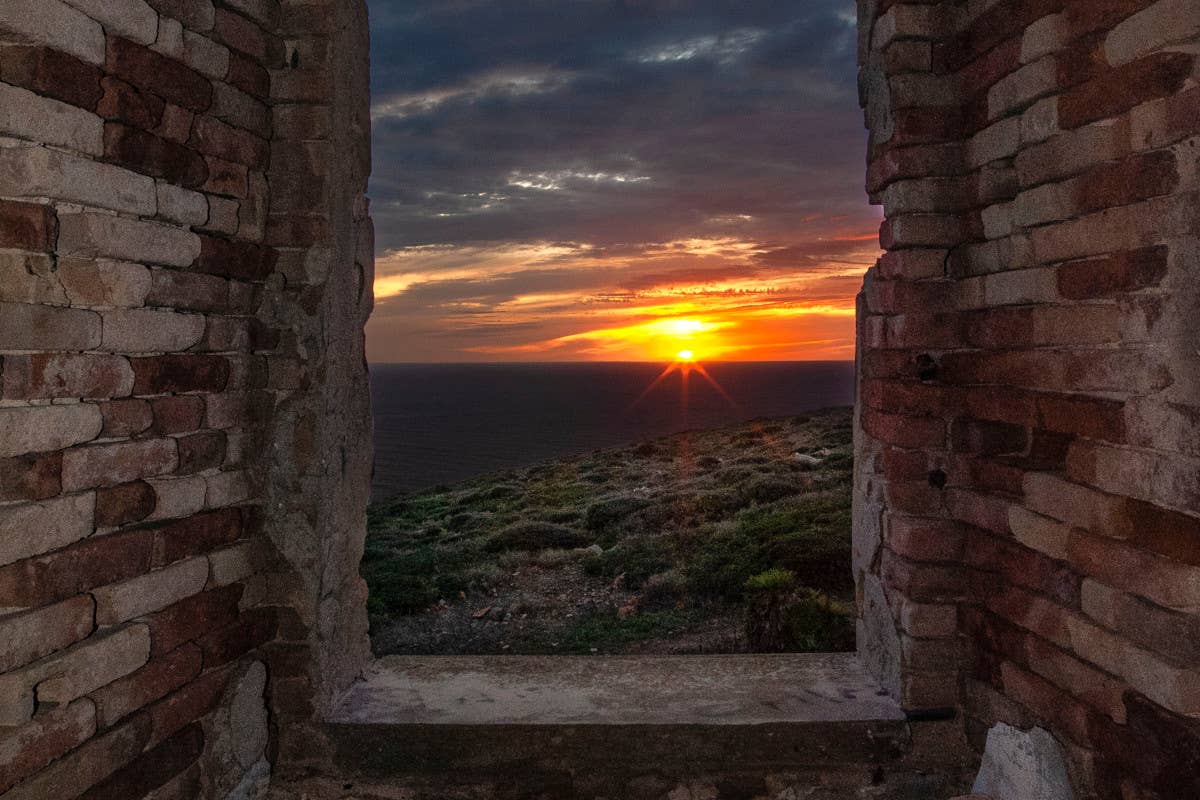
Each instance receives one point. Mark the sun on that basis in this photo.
(686, 355)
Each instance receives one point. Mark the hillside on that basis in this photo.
(728, 540)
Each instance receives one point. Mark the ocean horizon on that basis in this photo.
(442, 423)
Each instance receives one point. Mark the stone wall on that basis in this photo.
(185, 267)
(1027, 540)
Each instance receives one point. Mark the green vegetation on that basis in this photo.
(710, 540)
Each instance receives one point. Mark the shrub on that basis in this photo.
(815, 623)
(535, 535)
(608, 513)
(772, 580)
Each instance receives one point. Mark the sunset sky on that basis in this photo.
(581, 180)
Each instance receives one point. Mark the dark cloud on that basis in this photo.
(613, 126)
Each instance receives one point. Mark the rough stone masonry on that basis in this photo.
(186, 267)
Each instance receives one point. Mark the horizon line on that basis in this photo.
(574, 363)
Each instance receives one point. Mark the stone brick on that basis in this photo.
(190, 618)
(112, 464)
(126, 103)
(181, 205)
(160, 763)
(222, 216)
(1165, 582)
(34, 745)
(997, 141)
(1020, 89)
(180, 373)
(125, 503)
(910, 92)
(52, 73)
(44, 428)
(153, 155)
(1171, 687)
(1160, 24)
(195, 535)
(254, 628)
(177, 414)
(1168, 633)
(237, 563)
(205, 56)
(1113, 274)
(301, 121)
(925, 539)
(179, 497)
(1043, 37)
(30, 477)
(26, 115)
(1124, 87)
(188, 704)
(194, 14)
(125, 418)
(148, 593)
(225, 177)
(249, 76)
(200, 452)
(1039, 533)
(29, 278)
(72, 673)
(1023, 567)
(45, 375)
(176, 124)
(27, 226)
(1043, 326)
(32, 529)
(81, 567)
(131, 18)
(104, 284)
(161, 676)
(215, 138)
(165, 77)
(243, 35)
(99, 235)
(169, 39)
(150, 331)
(86, 766)
(228, 488)
(235, 259)
(238, 108)
(55, 24)
(33, 635)
(1115, 229)
(189, 291)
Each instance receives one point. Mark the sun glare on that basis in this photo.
(685, 355)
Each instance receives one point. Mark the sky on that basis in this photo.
(577, 180)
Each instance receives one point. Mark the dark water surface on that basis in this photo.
(443, 423)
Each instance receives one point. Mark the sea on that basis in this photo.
(438, 424)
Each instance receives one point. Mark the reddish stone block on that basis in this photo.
(1162, 751)
(1090, 417)
(28, 226)
(239, 33)
(1066, 714)
(1115, 274)
(990, 475)
(226, 178)
(1137, 178)
(1122, 88)
(195, 535)
(249, 76)
(254, 628)
(987, 438)
(190, 618)
(1100, 15)
(921, 582)
(125, 418)
(1160, 530)
(42, 740)
(153, 768)
(120, 462)
(120, 505)
(165, 77)
(78, 568)
(187, 705)
(189, 291)
(177, 414)
(213, 137)
(160, 677)
(1002, 21)
(297, 230)
(30, 477)
(152, 155)
(51, 73)
(925, 539)
(200, 452)
(235, 259)
(1022, 566)
(125, 103)
(179, 373)
(905, 431)
(53, 375)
